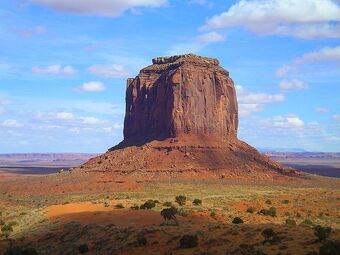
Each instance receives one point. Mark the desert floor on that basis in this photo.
(104, 222)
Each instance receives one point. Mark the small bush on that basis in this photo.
(290, 222)
(285, 201)
(237, 220)
(181, 200)
(213, 215)
(134, 207)
(268, 233)
(182, 213)
(268, 202)
(30, 251)
(83, 248)
(156, 201)
(119, 206)
(197, 201)
(188, 241)
(167, 204)
(322, 232)
(287, 213)
(13, 223)
(307, 222)
(2, 222)
(250, 210)
(141, 241)
(330, 248)
(6, 230)
(106, 204)
(298, 215)
(148, 205)
(268, 212)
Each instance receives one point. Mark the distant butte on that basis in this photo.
(181, 122)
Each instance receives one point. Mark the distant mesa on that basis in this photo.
(181, 122)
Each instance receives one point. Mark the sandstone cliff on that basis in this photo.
(181, 122)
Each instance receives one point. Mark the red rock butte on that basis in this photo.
(181, 122)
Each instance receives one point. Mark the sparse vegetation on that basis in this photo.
(268, 202)
(181, 200)
(119, 206)
(285, 201)
(134, 207)
(237, 220)
(250, 210)
(197, 201)
(167, 204)
(268, 233)
(268, 212)
(169, 214)
(83, 248)
(188, 241)
(307, 222)
(213, 215)
(322, 233)
(148, 205)
(330, 248)
(7, 230)
(290, 222)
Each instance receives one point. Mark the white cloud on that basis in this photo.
(250, 102)
(92, 121)
(64, 116)
(92, 86)
(326, 54)
(10, 123)
(336, 117)
(54, 70)
(113, 71)
(321, 109)
(293, 84)
(106, 8)
(304, 19)
(2, 110)
(210, 37)
(29, 32)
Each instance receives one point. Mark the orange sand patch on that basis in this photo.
(86, 213)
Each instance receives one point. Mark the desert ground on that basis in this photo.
(107, 219)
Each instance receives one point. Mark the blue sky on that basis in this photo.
(64, 64)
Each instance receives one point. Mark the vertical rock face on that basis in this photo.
(181, 122)
(181, 95)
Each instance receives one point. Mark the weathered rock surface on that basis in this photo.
(181, 122)
(180, 95)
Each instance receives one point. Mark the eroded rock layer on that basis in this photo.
(181, 119)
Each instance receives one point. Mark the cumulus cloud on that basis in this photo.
(293, 84)
(54, 70)
(250, 102)
(29, 32)
(326, 54)
(92, 86)
(303, 19)
(290, 121)
(321, 109)
(10, 123)
(106, 8)
(112, 71)
(210, 37)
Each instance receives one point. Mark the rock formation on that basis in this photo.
(181, 122)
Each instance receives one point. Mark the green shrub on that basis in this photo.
(285, 201)
(188, 241)
(167, 204)
(250, 210)
(30, 251)
(148, 205)
(141, 240)
(156, 201)
(290, 222)
(213, 215)
(83, 248)
(268, 212)
(268, 202)
(307, 222)
(237, 220)
(197, 201)
(322, 232)
(2, 222)
(134, 207)
(268, 233)
(182, 213)
(119, 206)
(181, 200)
(13, 223)
(298, 215)
(330, 248)
(287, 213)
(6, 230)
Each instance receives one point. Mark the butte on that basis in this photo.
(181, 121)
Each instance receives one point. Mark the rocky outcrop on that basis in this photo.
(180, 95)
(181, 120)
